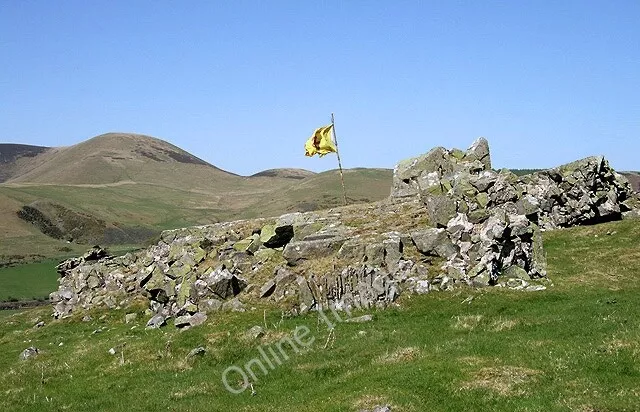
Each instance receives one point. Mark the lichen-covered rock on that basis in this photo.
(296, 252)
(479, 150)
(440, 209)
(274, 236)
(209, 305)
(254, 333)
(250, 244)
(224, 284)
(278, 286)
(156, 322)
(434, 241)
(586, 191)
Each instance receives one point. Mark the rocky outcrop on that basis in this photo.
(450, 221)
(586, 191)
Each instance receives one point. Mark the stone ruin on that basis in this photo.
(451, 221)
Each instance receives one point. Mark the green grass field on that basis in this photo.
(572, 347)
(8, 313)
(28, 281)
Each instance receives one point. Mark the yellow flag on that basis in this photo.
(321, 142)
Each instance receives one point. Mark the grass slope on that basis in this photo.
(573, 347)
(171, 205)
(324, 190)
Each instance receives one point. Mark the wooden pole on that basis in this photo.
(335, 139)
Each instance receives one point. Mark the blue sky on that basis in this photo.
(242, 84)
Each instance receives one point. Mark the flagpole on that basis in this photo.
(335, 139)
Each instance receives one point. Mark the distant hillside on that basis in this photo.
(121, 188)
(11, 154)
(117, 157)
(324, 190)
(285, 173)
(634, 179)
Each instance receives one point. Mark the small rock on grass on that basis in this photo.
(200, 350)
(30, 352)
(156, 322)
(254, 333)
(384, 408)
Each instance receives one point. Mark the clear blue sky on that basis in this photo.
(242, 84)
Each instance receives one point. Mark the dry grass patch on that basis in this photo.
(500, 324)
(217, 337)
(472, 360)
(320, 266)
(371, 401)
(270, 336)
(616, 345)
(504, 380)
(539, 343)
(407, 354)
(468, 322)
(574, 405)
(201, 389)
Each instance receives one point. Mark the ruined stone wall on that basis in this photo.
(450, 221)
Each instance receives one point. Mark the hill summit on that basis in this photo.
(109, 158)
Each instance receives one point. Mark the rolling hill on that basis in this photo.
(118, 158)
(119, 188)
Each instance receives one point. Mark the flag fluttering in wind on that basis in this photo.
(321, 142)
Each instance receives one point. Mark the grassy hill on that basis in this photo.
(324, 190)
(115, 158)
(572, 347)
